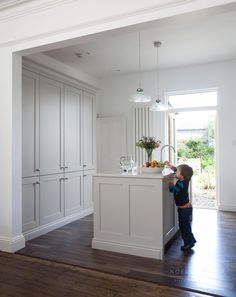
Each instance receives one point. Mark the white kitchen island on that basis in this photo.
(133, 214)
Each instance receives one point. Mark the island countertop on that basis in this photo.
(129, 175)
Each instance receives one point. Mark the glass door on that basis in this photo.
(192, 131)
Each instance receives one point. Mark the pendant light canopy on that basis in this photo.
(139, 96)
(157, 105)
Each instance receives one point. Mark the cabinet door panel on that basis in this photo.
(51, 198)
(73, 192)
(88, 131)
(72, 129)
(170, 221)
(50, 126)
(30, 203)
(30, 100)
(88, 193)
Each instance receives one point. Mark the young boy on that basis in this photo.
(180, 190)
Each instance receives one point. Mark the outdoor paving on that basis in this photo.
(204, 199)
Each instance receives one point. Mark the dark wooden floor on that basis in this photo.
(22, 276)
(210, 269)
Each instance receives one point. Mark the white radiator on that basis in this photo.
(141, 127)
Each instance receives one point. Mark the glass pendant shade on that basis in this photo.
(139, 96)
(157, 105)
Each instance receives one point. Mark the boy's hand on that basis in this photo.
(167, 163)
(171, 183)
(171, 179)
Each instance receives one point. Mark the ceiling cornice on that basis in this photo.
(13, 9)
(34, 6)
(5, 4)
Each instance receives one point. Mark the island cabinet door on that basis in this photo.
(145, 216)
(88, 193)
(111, 208)
(170, 222)
(51, 198)
(73, 192)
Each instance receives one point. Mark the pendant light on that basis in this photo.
(157, 105)
(139, 96)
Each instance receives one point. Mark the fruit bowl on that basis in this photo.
(151, 170)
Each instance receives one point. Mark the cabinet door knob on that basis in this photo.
(66, 167)
(37, 169)
(62, 167)
(65, 178)
(84, 165)
(84, 175)
(37, 183)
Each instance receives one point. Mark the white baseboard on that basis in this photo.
(38, 231)
(12, 244)
(128, 249)
(227, 207)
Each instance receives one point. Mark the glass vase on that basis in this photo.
(149, 154)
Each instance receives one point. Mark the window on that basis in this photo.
(193, 100)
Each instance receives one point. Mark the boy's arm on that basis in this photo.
(176, 188)
(172, 167)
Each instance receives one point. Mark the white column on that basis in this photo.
(11, 238)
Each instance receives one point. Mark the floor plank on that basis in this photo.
(22, 276)
(209, 269)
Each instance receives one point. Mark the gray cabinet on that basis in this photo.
(50, 126)
(72, 128)
(88, 131)
(30, 124)
(170, 217)
(73, 183)
(51, 198)
(30, 203)
(58, 146)
(87, 189)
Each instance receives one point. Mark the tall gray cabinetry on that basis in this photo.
(58, 153)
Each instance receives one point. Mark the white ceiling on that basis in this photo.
(203, 37)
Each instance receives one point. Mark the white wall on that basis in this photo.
(113, 99)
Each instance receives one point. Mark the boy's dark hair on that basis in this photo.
(186, 171)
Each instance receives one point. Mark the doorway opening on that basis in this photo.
(193, 133)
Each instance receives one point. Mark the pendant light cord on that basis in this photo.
(139, 59)
(157, 44)
(157, 76)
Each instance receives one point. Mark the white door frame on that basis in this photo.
(192, 109)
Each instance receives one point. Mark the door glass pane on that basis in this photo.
(193, 100)
(195, 143)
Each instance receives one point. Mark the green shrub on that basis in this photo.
(198, 148)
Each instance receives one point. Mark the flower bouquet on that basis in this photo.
(149, 144)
